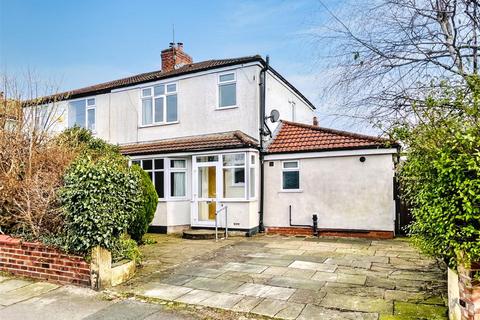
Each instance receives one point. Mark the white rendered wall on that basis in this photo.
(344, 192)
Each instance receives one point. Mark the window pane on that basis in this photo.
(177, 163)
(159, 184)
(252, 159)
(150, 175)
(91, 102)
(172, 108)
(227, 77)
(234, 159)
(158, 164)
(159, 109)
(159, 90)
(76, 113)
(228, 95)
(239, 176)
(292, 164)
(147, 164)
(91, 119)
(171, 87)
(230, 190)
(207, 158)
(291, 180)
(252, 182)
(177, 184)
(147, 92)
(147, 111)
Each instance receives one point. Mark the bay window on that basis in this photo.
(169, 176)
(159, 104)
(82, 113)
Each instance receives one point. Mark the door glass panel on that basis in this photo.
(206, 210)
(207, 182)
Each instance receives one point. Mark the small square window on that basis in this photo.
(227, 77)
(171, 88)
(91, 102)
(158, 90)
(290, 165)
(147, 92)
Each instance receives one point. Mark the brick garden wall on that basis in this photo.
(305, 231)
(469, 292)
(35, 260)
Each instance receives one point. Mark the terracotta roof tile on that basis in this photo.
(216, 141)
(299, 137)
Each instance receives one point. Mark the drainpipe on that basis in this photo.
(263, 90)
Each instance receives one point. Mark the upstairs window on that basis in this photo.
(159, 104)
(82, 113)
(290, 175)
(227, 90)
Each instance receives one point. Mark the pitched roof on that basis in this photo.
(299, 137)
(158, 75)
(215, 141)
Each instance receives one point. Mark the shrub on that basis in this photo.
(125, 248)
(145, 213)
(441, 179)
(100, 199)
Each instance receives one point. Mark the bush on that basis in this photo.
(146, 212)
(100, 199)
(441, 179)
(125, 248)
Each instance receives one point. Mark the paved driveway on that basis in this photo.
(295, 278)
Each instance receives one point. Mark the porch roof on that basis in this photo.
(299, 137)
(207, 142)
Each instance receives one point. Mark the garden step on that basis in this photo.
(204, 234)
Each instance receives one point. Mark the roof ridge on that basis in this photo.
(337, 131)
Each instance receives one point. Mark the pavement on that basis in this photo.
(251, 278)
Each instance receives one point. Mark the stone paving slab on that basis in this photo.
(164, 291)
(217, 285)
(430, 312)
(260, 278)
(264, 291)
(12, 284)
(271, 307)
(298, 264)
(125, 310)
(271, 262)
(356, 303)
(311, 312)
(306, 296)
(200, 272)
(222, 300)
(26, 292)
(195, 296)
(297, 283)
(247, 304)
(244, 267)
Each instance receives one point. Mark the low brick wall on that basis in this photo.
(35, 260)
(469, 292)
(305, 231)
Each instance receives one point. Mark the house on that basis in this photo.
(204, 133)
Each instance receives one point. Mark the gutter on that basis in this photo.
(261, 130)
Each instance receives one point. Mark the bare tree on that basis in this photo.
(389, 55)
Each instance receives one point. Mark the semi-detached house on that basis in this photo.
(204, 133)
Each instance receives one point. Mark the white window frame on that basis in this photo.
(87, 108)
(243, 184)
(152, 96)
(252, 165)
(220, 83)
(167, 169)
(170, 171)
(297, 169)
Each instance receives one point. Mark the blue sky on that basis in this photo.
(79, 43)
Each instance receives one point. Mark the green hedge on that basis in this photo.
(144, 215)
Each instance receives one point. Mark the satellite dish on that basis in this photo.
(274, 115)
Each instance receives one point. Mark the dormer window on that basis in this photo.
(159, 104)
(227, 90)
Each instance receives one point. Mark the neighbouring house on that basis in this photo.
(204, 133)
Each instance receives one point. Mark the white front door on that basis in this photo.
(206, 189)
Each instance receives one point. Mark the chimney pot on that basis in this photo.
(315, 121)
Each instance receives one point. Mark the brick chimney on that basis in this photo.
(174, 57)
(315, 121)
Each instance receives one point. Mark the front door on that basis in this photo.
(206, 191)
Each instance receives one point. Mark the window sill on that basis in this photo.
(225, 108)
(157, 124)
(291, 191)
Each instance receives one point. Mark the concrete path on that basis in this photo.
(295, 278)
